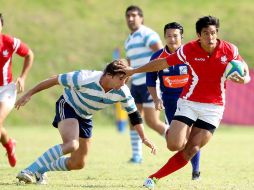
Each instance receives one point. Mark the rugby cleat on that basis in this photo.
(149, 183)
(136, 160)
(25, 176)
(41, 179)
(195, 175)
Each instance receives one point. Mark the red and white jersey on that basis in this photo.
(8, 46)
(206, 82)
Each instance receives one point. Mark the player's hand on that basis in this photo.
(159, 105)
(236, 78)
(149, 144)
(125, 68)
(20, 85)
(22, 101)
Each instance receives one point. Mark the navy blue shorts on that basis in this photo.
(141, 94)
(65, 111)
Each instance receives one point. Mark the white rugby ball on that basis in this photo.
(234, 67)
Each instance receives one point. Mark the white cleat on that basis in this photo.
(149, 183)
(25, 176)
(41, 179)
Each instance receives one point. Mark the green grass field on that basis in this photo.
(226, 163)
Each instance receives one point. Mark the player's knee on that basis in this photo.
(175, 146)
(73, 145)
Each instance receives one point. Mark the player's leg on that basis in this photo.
(78, 158)
(152, 119)
(177, 131)
(176, 136)
(7, 100)
(151, 115)
(136, 142)
(69, 130)
(209, 116)
(170, 108)
(197, 139)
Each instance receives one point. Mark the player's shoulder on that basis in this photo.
(228, 48)
(227, 45)
(90, 73)
(157, 54)
(145, 30)
(6, 38)
(124, 91)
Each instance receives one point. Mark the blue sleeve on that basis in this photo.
(151, 77)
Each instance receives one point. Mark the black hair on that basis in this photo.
(134, 8)
(206, 21)
(1, 19)
(112, 68)
(173, 25)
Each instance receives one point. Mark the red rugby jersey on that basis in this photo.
(206, 82)
(8, 46)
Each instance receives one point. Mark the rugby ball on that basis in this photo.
(234, 67)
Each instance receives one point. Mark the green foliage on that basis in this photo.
(81, 34)
(226, 162)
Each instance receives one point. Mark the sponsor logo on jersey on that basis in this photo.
(199, 59)
(5, 53)
(176, 81)
(183, 70)
(224, 59)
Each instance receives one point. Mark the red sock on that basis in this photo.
(8, 146)
(174, 163)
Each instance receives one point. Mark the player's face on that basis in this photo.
(133, 20)
(173, 39)
(208, 37)
(118, 81)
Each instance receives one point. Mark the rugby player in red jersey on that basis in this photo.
(202, 101)
(8, 88)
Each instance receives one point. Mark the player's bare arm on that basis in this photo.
(28, 61)
(48, 83)
(145, 140)
(155, 65)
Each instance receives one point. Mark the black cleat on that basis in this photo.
(195, 175)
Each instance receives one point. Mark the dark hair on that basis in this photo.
(1, 19)
(173, 25)
(134, 8)
(206, 21)
(112, 67)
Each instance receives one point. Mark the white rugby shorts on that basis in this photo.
(8, 94)
(210, 113)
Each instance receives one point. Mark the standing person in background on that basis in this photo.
(8, 89)
(202, 102)
(172, 81)
(139, 47)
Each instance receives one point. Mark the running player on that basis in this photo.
(172, 81)
(202, 101)
(85, 92)
(8, 88)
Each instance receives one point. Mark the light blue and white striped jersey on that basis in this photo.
(85, 95)
(137, 48)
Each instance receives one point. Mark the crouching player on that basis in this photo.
(85, 92)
